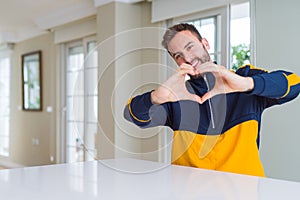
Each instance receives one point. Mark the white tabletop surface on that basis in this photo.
(137, 179)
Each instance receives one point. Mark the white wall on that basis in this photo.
(127, 45)
(26, 125)
(168, 9)
(277, 46)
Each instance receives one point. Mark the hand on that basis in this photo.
(225, 80)
(174, 88)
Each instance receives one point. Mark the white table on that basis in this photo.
(137, 180)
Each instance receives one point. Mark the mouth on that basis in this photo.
(195, 62)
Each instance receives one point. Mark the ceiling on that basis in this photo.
(24, 19)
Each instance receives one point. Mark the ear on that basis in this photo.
(205, 43)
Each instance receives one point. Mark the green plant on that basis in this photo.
(240, 56)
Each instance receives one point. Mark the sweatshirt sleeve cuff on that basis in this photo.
(139, 107)
(259, 85)
(147, 100)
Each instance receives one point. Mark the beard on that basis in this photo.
(203, 59)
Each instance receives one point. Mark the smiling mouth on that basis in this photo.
(195, 62)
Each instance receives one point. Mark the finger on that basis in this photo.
(206, 67)
(206, 96)
(195, 97)
(185, 69)
(186, 65)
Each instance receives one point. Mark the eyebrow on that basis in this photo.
(185, 46)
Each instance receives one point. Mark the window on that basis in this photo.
(240, 35)
(208, 28)
(225, 28)
(229, 38)
(81, 100)
(4, 105)
(213, 26)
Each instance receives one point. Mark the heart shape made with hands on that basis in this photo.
(174, 89)
(225, 81)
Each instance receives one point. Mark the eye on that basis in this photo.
(189, 47)
(177, 56)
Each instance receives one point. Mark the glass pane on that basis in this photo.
(4, 77)
(92, 57)
(240, 35)
(213, 57)
(92, 106)
(4, 146)
(91, 133)
(4, 88)
(76, 58)
(70, 111)
(74, 154)
(207, 29)
(82, 102)
(92, 83)
(4, 63)
(91, 154)
(4, 105)
(75, 134)
(75, 108)
(75, 84)
(71, 152)
(4, 127)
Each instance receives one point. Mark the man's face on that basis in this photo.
(186, 48)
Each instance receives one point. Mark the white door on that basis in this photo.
(81, 100)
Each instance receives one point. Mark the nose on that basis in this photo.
(188, 57)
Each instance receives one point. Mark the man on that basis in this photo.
(216, 114)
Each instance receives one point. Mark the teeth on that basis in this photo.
(194, 63)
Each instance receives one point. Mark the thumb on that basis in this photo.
(206, 96)
(195, 97)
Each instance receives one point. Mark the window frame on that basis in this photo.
(7, 54)
(64, 57)
(223, 27)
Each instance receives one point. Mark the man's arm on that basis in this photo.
(279, 86)
(174, 89)
(153, 108)
(274, 85)
(142, 112)
(137, 109)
